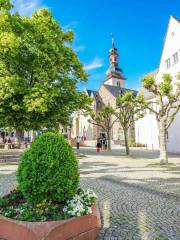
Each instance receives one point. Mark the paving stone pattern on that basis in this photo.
(138, 199)
(129, 213)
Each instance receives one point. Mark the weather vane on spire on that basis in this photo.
(112, 35)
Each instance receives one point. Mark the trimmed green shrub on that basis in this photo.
(48, 170)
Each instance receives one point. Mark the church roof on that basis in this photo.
(117, 91)
(97, 97)
(95, 94)
(91, 92)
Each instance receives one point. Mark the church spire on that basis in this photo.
(113, 44)
(114, 73)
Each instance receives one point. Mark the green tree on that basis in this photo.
(165, 105)
(5, 5)
(39, 71)
(128, 110)
(103, 119)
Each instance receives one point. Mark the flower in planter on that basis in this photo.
(80, 204)
(48, 184)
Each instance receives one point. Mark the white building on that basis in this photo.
(146, 129)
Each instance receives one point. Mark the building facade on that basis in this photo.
(112, 87)
(147, 129)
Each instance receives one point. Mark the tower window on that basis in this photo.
(118, 84)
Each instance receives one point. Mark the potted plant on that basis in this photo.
(48, 202)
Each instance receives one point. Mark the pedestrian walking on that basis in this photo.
(78, 140)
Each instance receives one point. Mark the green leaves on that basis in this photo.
(5, 5)
(129, 108)
(38, 71)
(103, 118)
(165, 103)
(166, 87)
(148, 82)
(48, 170)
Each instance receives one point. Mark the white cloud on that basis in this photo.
(79, 48)
(26, 7)
(96, 63)
(70, 25)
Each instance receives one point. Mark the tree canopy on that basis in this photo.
(103, 119)
(39, 71)
(129, 109)
(165, 105)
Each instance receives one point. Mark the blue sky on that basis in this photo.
(139, 27)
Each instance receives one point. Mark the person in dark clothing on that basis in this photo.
(98, 146)
(105, 144)
(77, 142)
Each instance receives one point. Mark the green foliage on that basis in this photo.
(3, 202)
(132, 143)
(48, 170)
(166, 97)
(5, 5)
(26, 212)
(19, 209)
(164, 104)
(178, 76)
(103, 119)
(129, 109)
(166, 86)
(38, 71)
(148, 82)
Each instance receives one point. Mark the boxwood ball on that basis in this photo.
(48, 170)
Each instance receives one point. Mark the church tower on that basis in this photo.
(114, 73)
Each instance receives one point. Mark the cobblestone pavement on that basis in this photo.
(7, 178)
(138, 198)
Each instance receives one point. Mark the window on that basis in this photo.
(175, 58)
(168, 63)
(118, 84)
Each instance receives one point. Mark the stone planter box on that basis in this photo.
(81, 228)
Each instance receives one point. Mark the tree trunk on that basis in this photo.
(126, 141)
(19, 136)
(109, 141)
(33, 135)
(162, 143)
